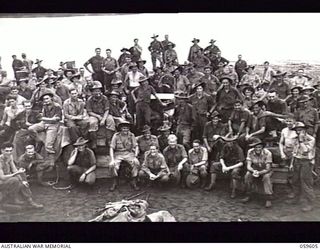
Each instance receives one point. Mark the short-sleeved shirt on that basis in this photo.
(96, 63)
(174, 155)
(196, 157)
(85, 159)
(203, 104)
(232, 154)
(123, 143)
(227, 99)
(73, 108)
(145, 144)
(237, 117)
(210, 130)
(98, 106)
(154, 163)
(143, 93)
(25, 159)
(52, 111)
(259, 161)
(110, 63)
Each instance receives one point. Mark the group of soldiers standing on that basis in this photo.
(225, 120)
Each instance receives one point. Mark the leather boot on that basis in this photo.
(114, 184)
(212, 182)
(34, 205)
(134, 184)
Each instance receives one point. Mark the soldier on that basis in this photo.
(198, 160)
(176, 159)
(142, 98)
(135, 50)
(75, 118)
(226, 97)
(12, 180)
(39, 70)
(31, 161)
(212, 82)
(82, 163)
(193, 49)
(96, 63)
(213, 130)
(292, 100)
(239, 119)
(154, 166)
(170, 55)
(302, 166)
(212, 49)
(156, 50)
(281, 87)
(122, 58)
(308, 115)
(230, 162)
(98, 110)
(145, 141)
(110, 67)
(240, 66)
(124, 147)
(203, 105)
(184, 115)
(259, 161)
(181, 82)
(50, 122)
(163, 137)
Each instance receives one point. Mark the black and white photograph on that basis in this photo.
(159, 117)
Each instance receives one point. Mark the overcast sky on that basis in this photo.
(257, 36)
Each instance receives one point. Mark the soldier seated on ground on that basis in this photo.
(145, 141)
(154, 167)
(198, 160)
(82, 164)
(32, 162)
(231, 162)
(259, 161)
(13, 183)
(176, 159)
(124, 147)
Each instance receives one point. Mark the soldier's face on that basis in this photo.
(96, 92)
(98, 52)
(196, 147)
(125, 130)
(7, 152)
(30, 151)
(12, 102)
(256, 109)
(225, 83)
(295, 92)
(147, 134)
(239, 57)
(258, 149)
(74, 94)
(237, 106)
(200, 89)
(289, 122)
(272, 97)
(215, 120)
(172, 143)
(153, 150)
(207, 71)
(300, 73)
